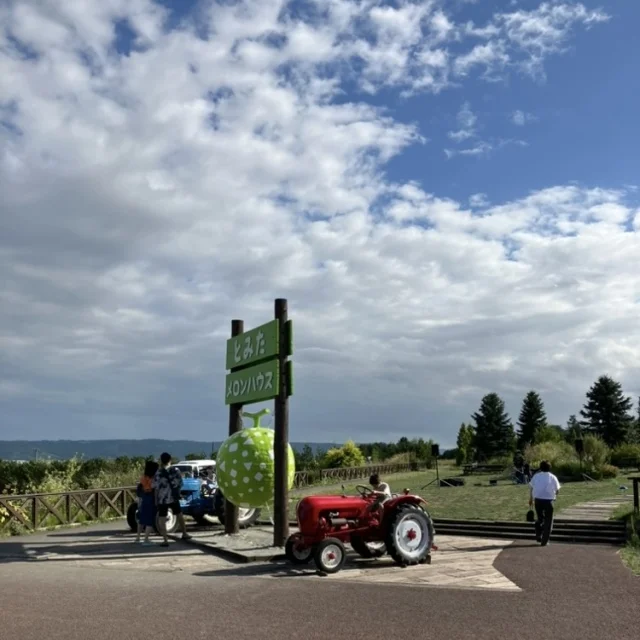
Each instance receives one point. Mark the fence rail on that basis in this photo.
(35, 511)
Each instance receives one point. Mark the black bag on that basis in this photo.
(531, 516)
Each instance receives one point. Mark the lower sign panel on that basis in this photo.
(253, 384)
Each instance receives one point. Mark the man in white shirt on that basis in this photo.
(544, 489)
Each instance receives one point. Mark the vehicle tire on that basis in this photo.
(368, 549)
(201, 520)
(246, 517)
(172, 522)
(408, 538)
(132, 516)
(295, 555)
(330, 555)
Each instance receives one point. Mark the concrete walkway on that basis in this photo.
(595, 510)
(73, 585)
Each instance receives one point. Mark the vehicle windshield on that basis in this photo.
(185, 470)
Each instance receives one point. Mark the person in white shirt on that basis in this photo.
(544, 489)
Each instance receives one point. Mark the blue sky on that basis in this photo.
(445, 192)
(586, 128)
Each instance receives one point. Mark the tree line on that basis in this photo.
(606, 414)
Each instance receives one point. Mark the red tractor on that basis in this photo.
(401, 526)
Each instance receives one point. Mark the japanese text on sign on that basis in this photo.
(253, 384)
(253, 346)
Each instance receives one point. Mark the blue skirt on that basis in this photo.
(147, 510)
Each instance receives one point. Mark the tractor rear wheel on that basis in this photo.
(132, 516)
(368, 549)
(294, 553)
(329, 555)
(408, 538)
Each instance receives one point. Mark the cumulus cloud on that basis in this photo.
(157, 184)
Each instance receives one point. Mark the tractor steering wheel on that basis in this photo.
(364, 491)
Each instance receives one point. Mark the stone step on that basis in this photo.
(559, 523)
(575, 538)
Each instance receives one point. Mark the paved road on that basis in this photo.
(186, 593)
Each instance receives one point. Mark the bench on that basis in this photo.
(470, 469)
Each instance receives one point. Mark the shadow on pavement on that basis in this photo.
(115, 543)
(282, 569)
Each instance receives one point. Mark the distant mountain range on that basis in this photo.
(65, 449)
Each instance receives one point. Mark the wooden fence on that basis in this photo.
(44, 510)
(30, 512)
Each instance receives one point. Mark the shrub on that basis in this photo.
(609, 471)
(503, 461)
(596, 452)
(568, 470)
(557, 453)
(349, 455)
(626, 455)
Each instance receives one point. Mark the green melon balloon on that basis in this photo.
(245, 468)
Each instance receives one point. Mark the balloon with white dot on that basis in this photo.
(245, 467)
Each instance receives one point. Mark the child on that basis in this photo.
(146, 502)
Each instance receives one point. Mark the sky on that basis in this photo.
(445, 191)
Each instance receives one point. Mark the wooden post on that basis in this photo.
(281, 436)
(235, 424)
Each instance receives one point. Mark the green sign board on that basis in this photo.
(253, 346)
(253, 384)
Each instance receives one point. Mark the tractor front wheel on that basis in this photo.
(171, 521)
(408, 538)
(295, 553)
(368, 549)
(329, 555)
(246, 517)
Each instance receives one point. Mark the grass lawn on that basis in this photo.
(505, 501)
(631, 557)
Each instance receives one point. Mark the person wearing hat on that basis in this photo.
(544, 487)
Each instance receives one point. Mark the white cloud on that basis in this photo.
(520, 118)
(150, 198)
(466, 121)
(478, 200)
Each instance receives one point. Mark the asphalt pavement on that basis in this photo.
(106, 591)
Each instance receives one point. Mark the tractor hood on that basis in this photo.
(190, 484)
(322, 502)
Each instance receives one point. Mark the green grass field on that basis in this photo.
(505, 501)
(631, 557)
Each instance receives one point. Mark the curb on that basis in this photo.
(228, 554)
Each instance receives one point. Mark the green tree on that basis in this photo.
(574, 430)
(550, 433)
(196, 456)
(306, 459)
(494, 434)
(532, 418)
(606, 412)
(464, 443)
(634, 431)
(348, 455)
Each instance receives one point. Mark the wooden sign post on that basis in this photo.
(235, 424)
(260, 369)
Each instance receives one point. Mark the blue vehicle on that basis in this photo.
(200, 496)
(200, 499)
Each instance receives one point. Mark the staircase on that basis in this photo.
(564, 530)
